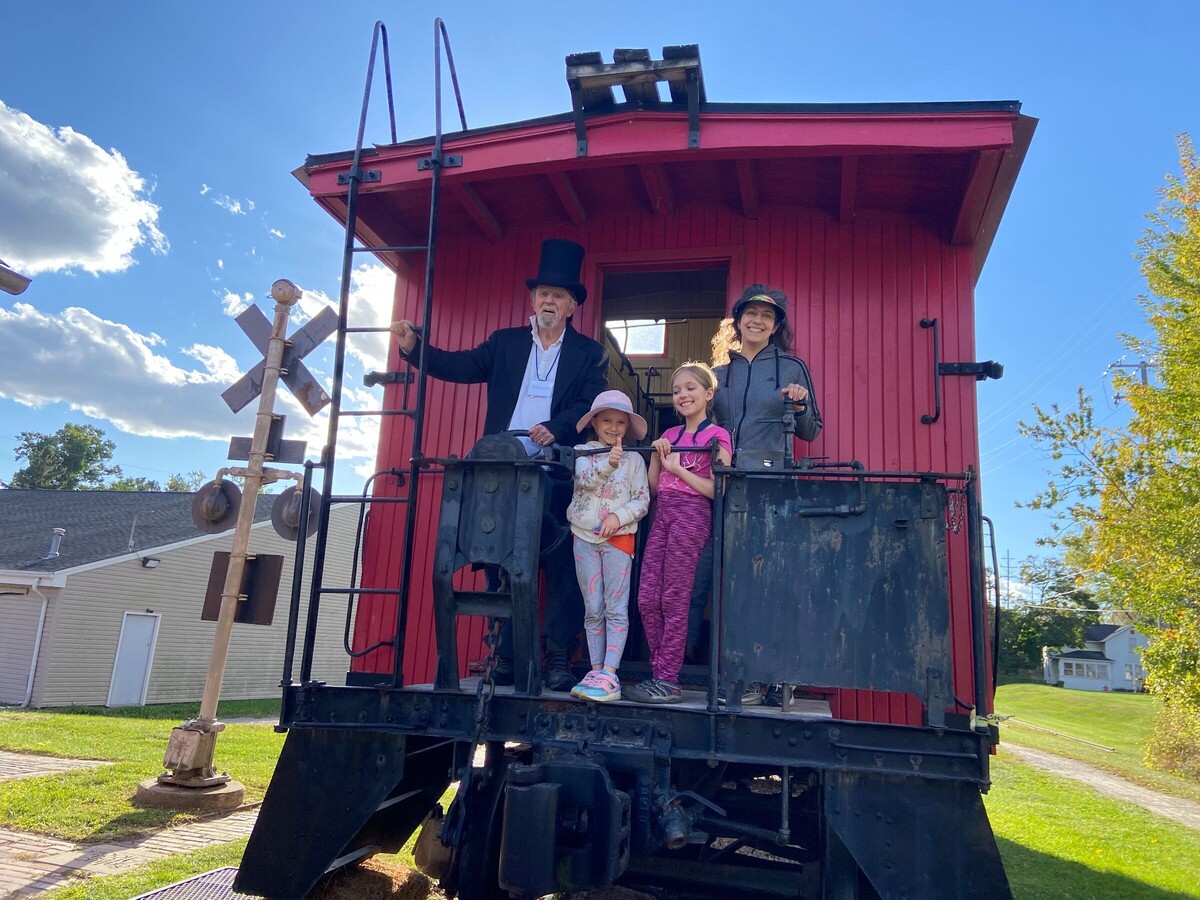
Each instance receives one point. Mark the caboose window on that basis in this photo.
(640, 337)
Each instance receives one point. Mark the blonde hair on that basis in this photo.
(724, 341)
(704, 374)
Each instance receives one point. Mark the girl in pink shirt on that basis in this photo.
(681, 478)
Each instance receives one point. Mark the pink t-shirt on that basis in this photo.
(698, 461)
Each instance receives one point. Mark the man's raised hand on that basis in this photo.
(406, 335)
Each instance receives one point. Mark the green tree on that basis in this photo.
(1056, 616)
(187, 484)
(131, 483)
(76, 457)
(1127, 500)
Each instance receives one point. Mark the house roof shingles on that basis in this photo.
(99, 525)
(1097, 633)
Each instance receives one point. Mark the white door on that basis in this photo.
(135, 652)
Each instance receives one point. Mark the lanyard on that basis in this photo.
(537, 362)
(683, 430)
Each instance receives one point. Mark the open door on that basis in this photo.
(654, 321)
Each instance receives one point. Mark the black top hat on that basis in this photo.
(559, 267)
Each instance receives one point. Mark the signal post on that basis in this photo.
(192, 781)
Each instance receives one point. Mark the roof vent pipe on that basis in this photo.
(55, 543)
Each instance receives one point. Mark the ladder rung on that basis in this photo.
(420, 248)
(358, 498)
(326, 590)
(376, 412)
(369, 330)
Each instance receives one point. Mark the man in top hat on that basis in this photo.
(541, 379)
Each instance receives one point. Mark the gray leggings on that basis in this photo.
(603, 573)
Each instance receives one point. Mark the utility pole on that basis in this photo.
(1008, 595)
(1144, 366)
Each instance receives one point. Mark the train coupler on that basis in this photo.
(565, 828)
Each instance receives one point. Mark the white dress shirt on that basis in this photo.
(537, 387)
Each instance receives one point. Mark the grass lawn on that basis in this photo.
(95, 804)
(1060, 839)
(1120, 721)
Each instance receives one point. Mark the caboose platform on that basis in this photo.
(802, 708)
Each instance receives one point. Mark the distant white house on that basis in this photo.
(1110, 660)
(101, 595)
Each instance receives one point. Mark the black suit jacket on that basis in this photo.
(500, 363)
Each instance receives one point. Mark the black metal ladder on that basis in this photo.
(407, 482)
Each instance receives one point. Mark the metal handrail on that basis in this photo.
(353, 181)
(329, 454)
(440, 37)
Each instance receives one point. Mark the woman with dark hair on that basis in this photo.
(756, 376)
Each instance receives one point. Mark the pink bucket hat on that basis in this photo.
(617, 401)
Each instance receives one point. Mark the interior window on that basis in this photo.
(640, 337)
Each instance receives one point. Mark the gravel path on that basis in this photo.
(1179, 809)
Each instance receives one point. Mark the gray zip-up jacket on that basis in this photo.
(748, 403)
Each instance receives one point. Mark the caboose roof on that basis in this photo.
(951, 166)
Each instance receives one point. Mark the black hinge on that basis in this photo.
(980, 370)
(450, 161)
(367, 177)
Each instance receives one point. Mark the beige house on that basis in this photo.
(101, 594)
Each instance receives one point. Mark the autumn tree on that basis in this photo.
(1126, 501)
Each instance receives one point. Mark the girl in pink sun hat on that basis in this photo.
(611, 494)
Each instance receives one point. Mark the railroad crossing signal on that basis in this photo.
(293, 372)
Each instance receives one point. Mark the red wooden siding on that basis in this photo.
(858, 291)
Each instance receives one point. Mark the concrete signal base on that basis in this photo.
(219, 798)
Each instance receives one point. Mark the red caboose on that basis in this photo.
(875, 220)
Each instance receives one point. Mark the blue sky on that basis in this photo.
(146, 151)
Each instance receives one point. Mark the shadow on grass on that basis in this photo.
(137, 825)
(172, 711)
(1039, 876)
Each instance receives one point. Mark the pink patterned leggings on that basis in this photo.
(681, 528)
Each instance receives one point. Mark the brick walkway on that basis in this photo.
(26, 765)
(31, 863)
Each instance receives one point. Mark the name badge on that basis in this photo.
(540, 389)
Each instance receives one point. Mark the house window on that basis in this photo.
(1095, 671)
(1128, 671)
(1068, 668)
(1132, 642)
(640, 337)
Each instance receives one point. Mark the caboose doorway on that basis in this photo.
(654, 321)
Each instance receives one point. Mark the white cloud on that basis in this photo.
(371, 291)
(68, 203)
(235, 304)
(204, 189)
(233, 207)
(110, 372)
(275, 232)
(220, 263)
(250, 205)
